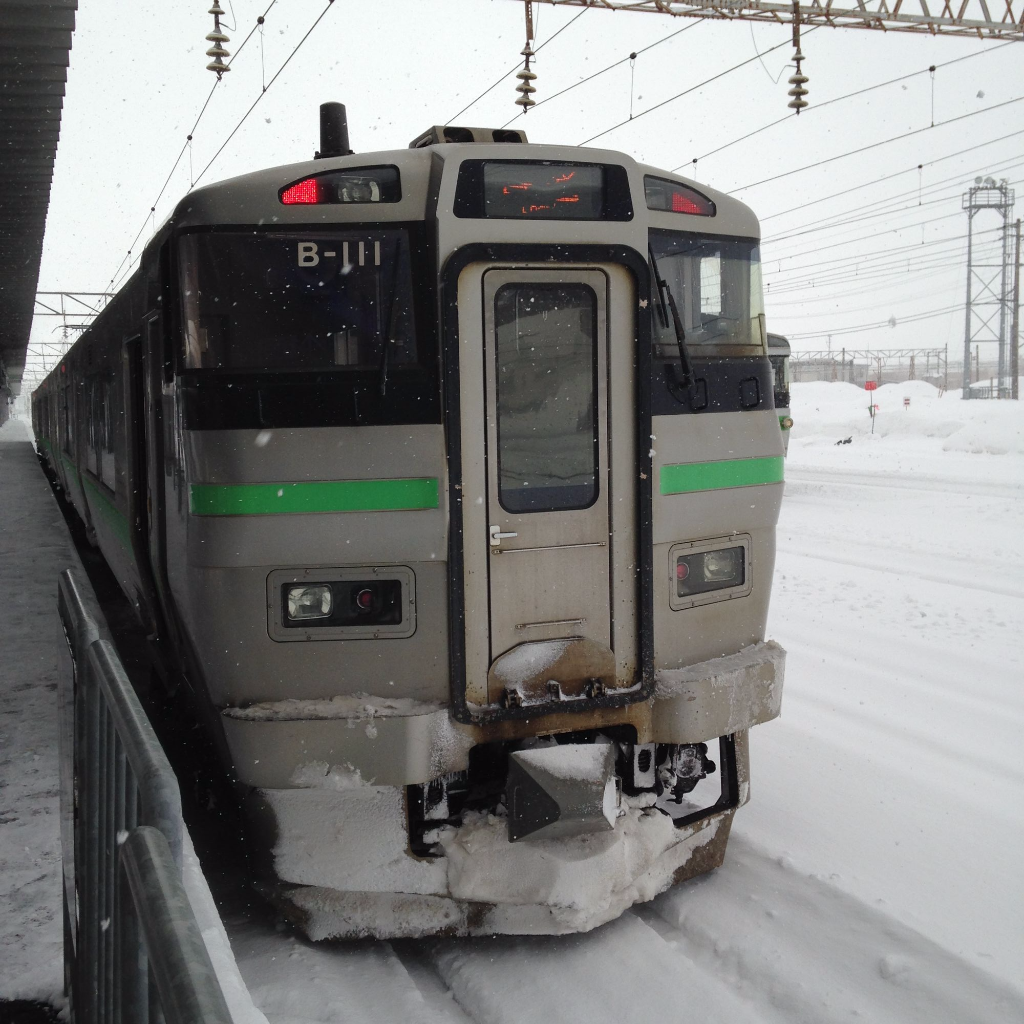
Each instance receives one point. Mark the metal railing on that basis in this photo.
(133, 950)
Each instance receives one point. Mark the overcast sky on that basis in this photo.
(137, 82)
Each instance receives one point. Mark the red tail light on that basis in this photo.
(305, 191)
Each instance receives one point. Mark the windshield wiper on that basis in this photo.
(685, 370)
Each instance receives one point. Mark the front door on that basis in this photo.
(546, 367)
(545, 339)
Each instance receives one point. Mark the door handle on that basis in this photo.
(497, 535)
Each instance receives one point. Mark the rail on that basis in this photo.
(133, 950)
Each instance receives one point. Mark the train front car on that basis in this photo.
(472, 496)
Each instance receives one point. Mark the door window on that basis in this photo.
(546, 396)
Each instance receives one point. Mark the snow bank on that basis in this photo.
(215, 938)
(827, 412)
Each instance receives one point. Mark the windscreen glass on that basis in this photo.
(716, 283)
(546, 375)
(313, 301)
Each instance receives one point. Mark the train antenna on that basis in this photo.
(798, 92)
(333, 131)
(526, 76)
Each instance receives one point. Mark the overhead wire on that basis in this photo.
(692, 88)
(188, 139)
(610, 67)
(264, 91)
(851, 222)
(860, 328)
(892, 203)
(839, 99)
(895, 174)
(845, 261)
(516, 67)
(876, 145)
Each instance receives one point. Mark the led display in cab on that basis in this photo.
(352, 185)
(708, 571)
(542, 190)
(673, 197)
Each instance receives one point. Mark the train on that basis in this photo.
(444, 482)
(778, 356)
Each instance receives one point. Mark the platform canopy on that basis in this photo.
(35, 42)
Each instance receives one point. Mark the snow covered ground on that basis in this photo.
(34, 547)
(875, 875)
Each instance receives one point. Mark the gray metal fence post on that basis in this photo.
(184, 975)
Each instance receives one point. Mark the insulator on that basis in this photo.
(216, 10)
(526, 76)
(217, 37)
(525, 102)
(527, 51)
(798, 79)
(218, 52)
(218, 67)
(797, 105)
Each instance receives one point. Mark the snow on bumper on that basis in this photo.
(719, 697)
(546, 888)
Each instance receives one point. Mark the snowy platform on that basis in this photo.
(34, 547)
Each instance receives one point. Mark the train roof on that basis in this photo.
(778, 345)
(253, 198)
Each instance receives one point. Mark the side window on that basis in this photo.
(67, 414)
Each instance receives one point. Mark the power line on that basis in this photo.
(853, 220)
(516, 67)
(860, 328)
(693, 88)
(839, 99)
(188, 139)
(266, 89)
(875, 145)
(890, 204)
(597, 74)
(889, 251)
(895, 174)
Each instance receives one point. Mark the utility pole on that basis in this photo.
(988, 302)
(1015, 326)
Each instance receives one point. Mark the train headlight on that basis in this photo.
(700, 572)
(786, 422)
(309, 601)
(724, 566)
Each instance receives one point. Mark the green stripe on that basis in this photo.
(324, 496)
(115, 518)
(713, 476)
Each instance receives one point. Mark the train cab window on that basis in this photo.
(546, 374)
(315, 301)
(716, 283)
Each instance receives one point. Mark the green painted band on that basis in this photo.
(323, 496)
(713, 476)
(115, 517)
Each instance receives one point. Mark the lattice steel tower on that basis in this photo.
(989, 277)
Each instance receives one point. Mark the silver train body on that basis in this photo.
(782, 380)
(447, 479)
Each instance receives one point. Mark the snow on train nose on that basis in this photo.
(561, 791)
